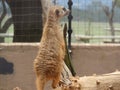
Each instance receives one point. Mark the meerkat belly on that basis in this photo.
(48, 61)
(48, 67)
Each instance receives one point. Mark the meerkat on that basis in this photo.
(48, 63)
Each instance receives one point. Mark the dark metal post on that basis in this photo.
(70, 17)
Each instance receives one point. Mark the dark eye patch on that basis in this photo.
(64, 8)
(57, 12)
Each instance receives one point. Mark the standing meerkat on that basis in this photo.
(49, 61)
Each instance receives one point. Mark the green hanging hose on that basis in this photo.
(67, 55)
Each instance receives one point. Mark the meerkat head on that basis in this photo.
(58, 12)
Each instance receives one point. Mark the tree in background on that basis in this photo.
(118, 3)
(45, 6)
(110, 14)
(27, 20)
(4, 27)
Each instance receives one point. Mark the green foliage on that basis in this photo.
(118, 3)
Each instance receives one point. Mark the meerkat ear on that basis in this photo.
(57, 12)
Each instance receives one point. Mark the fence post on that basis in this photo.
(70, 17)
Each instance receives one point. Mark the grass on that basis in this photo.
(84, 28)
(94, 29)
(10, 31)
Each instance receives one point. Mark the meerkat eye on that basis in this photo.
(57, 12)
(64, 8)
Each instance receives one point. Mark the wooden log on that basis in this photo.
(109, 81)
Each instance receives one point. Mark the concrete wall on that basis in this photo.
(22, 57)
(87, 60)
(95, 59)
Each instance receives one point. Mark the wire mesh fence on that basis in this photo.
(26, 20)
(94, 21)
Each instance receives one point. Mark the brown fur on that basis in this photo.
(48, 63)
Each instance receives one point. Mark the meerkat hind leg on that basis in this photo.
(40, 82)
(56, 81)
